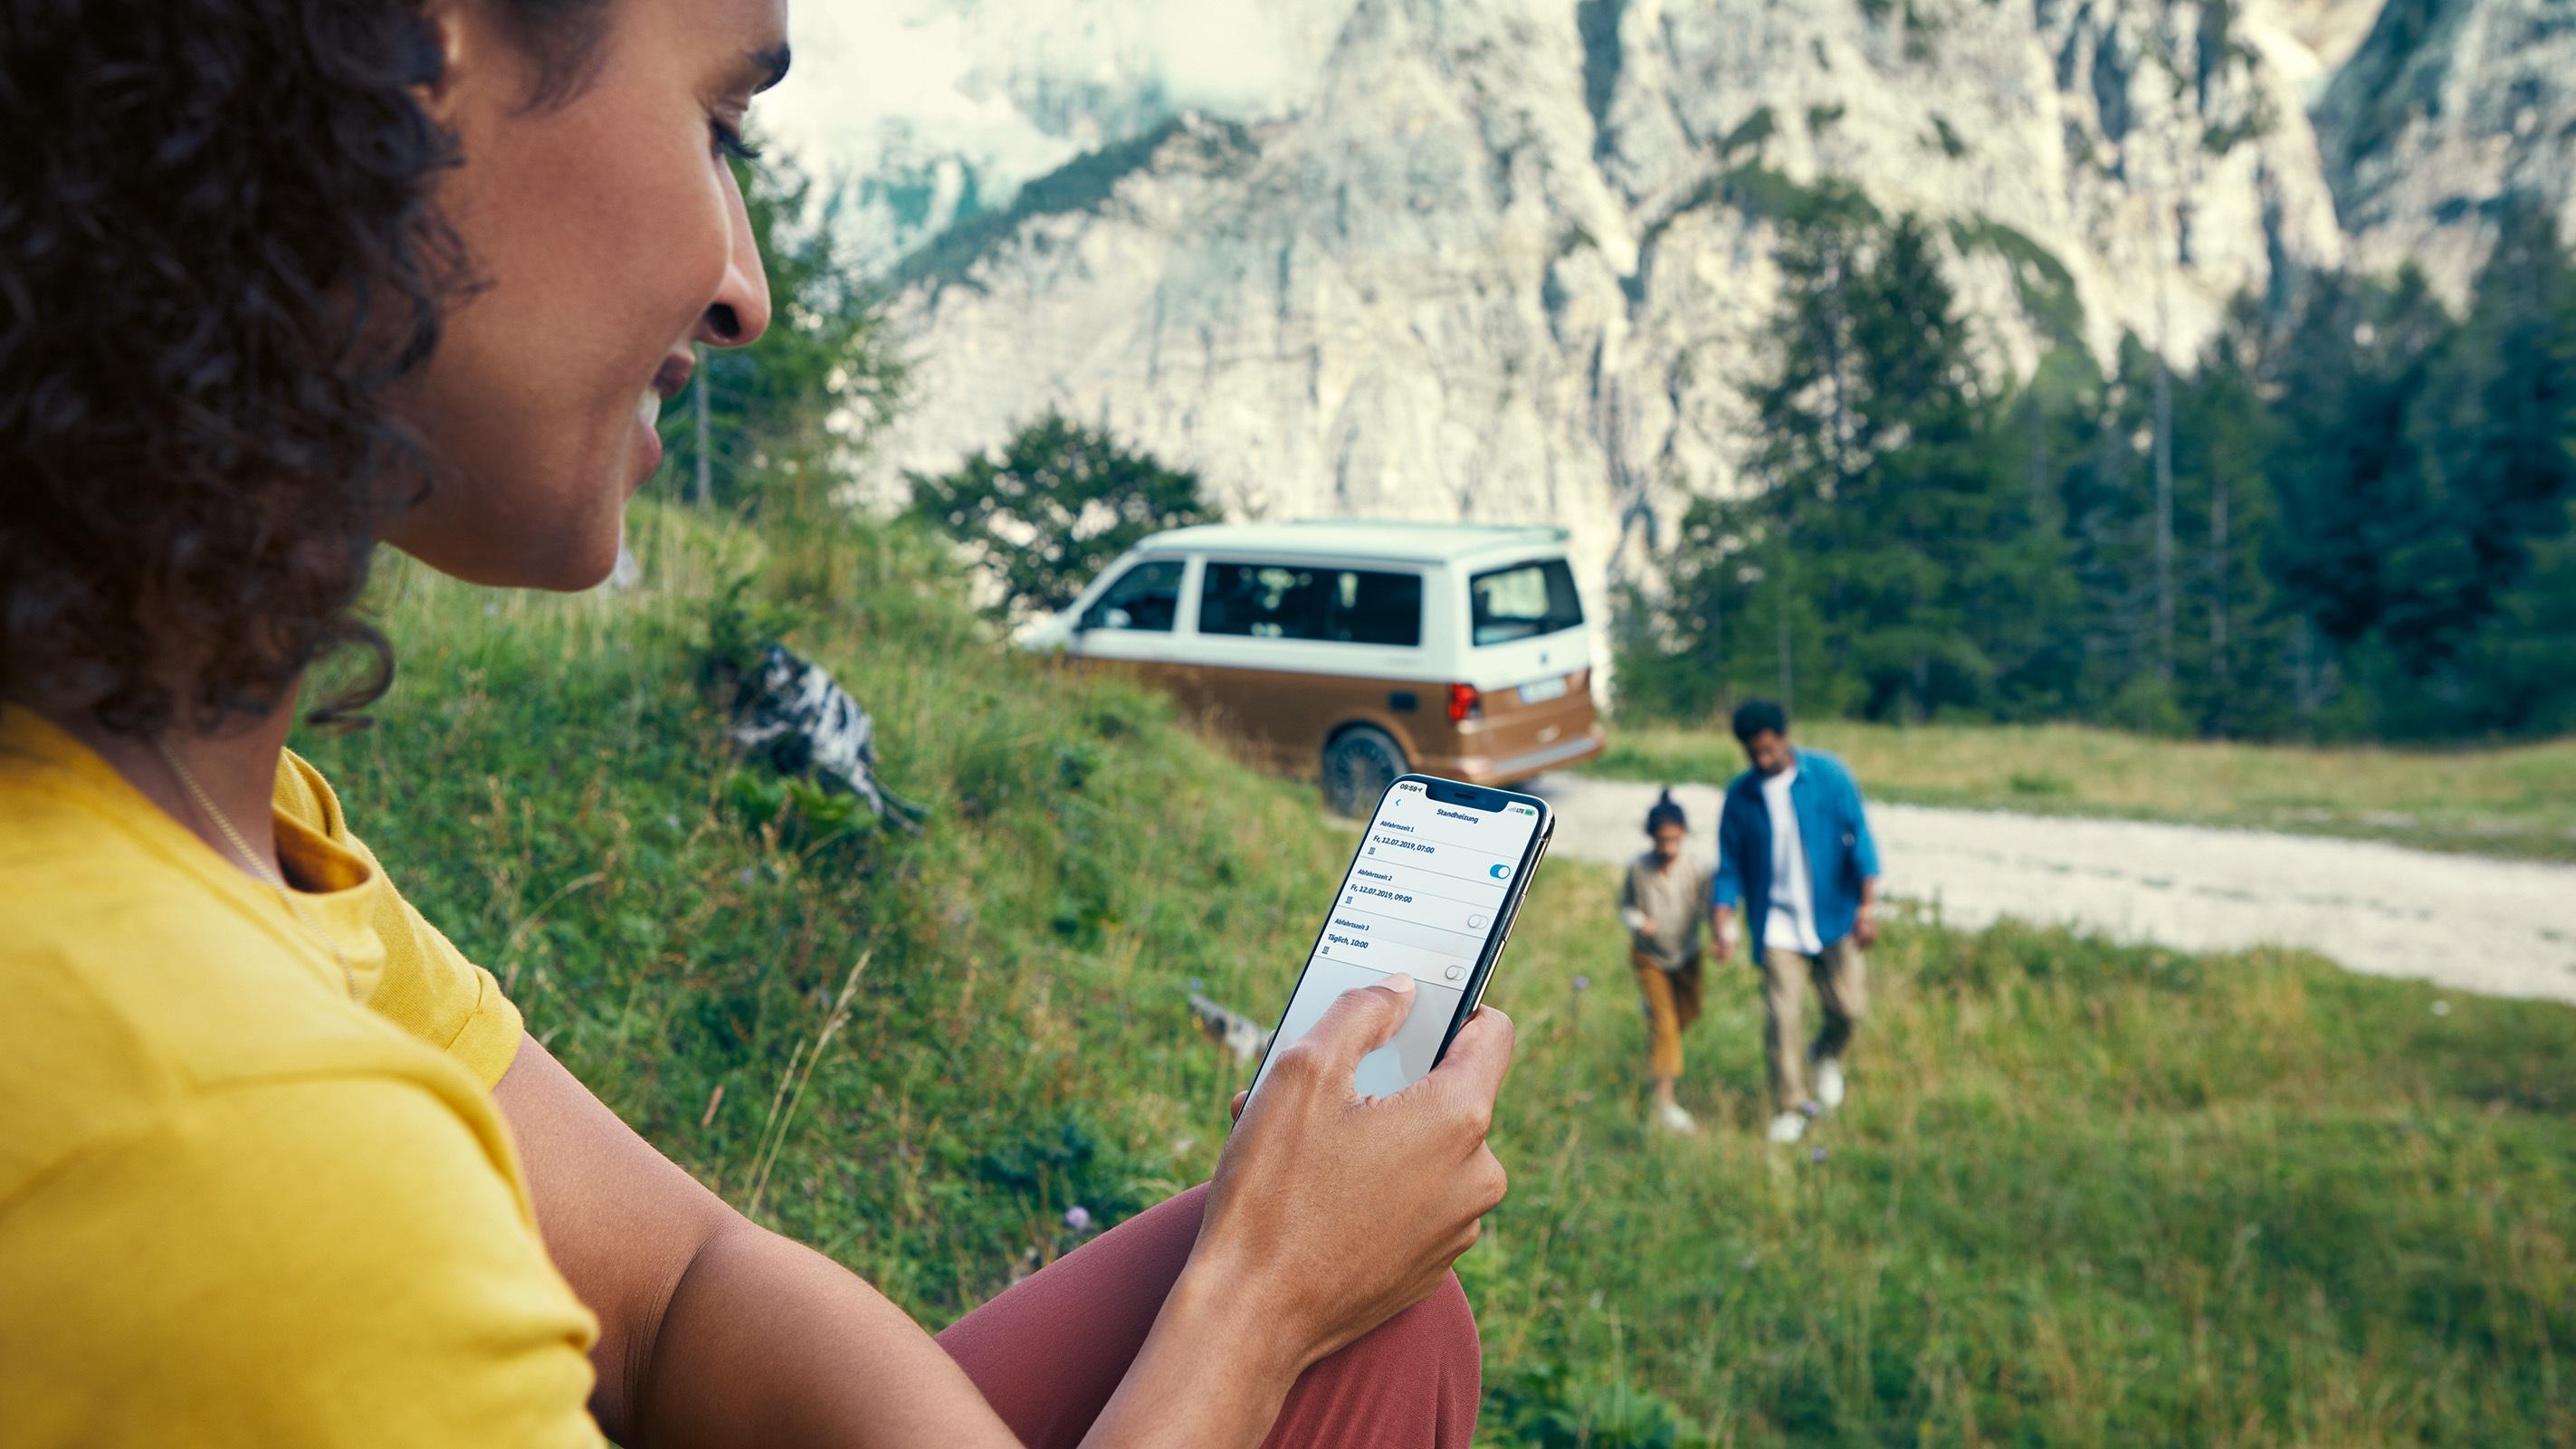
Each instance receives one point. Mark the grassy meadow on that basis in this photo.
(2516, 800)
(2083, 1195)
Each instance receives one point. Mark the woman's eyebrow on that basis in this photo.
(767, 66)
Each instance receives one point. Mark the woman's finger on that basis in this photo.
(1358, 1022)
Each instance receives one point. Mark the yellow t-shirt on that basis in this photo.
(238, 1207)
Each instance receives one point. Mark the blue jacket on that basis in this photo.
(1832, 827)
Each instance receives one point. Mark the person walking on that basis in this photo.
(1795, 855)
(1659, 900)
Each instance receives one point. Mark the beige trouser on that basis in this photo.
(1842, 984)
(1672, 1004)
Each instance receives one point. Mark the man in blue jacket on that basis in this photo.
(1794, 853)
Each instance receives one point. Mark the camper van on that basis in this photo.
(1355, 650)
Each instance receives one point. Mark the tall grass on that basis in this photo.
(2517, 801)
(2083, 1194)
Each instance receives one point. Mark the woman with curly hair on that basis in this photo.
(285, 280)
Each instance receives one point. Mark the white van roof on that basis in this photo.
(1390, 540)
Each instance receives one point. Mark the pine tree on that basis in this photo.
(2233, 642)
(1895, 521)
(2486, 439)
(2108, 535)
(2356, 533)
(2368, 504)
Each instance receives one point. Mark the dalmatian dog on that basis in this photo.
(1239, 1034)
(791, 713)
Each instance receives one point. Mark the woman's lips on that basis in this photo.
(673, 374)
(668, 379)
(648, 413)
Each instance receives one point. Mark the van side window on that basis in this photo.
(1261, 601)
(1523, 601)
(1146, 598)
(1374, 608)
(1278, 601)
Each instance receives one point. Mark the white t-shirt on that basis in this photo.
(1791, 926)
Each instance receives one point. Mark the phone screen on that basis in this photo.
(1430, 892)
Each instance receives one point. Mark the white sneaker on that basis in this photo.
(1829, 1082)
(1788, 1127)
(1672, 1115)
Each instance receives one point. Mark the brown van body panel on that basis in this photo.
(1514, 740)
(1281, 718)
(1285, 718)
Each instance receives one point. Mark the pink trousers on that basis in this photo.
(1052, 1348)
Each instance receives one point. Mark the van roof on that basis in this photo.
(1391, 540)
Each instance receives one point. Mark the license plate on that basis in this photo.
(1539, 691)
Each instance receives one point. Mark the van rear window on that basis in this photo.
(1277, 601)
(1523, 601)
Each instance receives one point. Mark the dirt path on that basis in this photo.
(2498, 927)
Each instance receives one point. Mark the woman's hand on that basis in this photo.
(1331, 1212)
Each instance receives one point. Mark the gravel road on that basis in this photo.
(2498, 927)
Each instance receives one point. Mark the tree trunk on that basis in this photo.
(2164, 521)
(706, 494)
(2218, 601)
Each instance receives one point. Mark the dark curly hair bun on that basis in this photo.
(217, 251)
(1665, 811)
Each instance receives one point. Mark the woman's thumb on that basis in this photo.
(1360, 1021)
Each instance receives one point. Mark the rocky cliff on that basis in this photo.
(1511, 260)
(2450, 112)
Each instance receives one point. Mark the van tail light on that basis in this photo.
(1465, 703)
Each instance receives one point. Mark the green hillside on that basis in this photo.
(2085, 1195)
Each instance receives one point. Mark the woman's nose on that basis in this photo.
(740, 311)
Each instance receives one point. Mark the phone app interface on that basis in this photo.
(1426, 891)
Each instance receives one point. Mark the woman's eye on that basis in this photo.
(729, 142)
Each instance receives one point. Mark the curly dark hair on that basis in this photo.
(217, 251)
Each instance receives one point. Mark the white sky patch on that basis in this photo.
(876, 81)
(1226, 56)
(1016, 87)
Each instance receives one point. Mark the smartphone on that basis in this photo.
(1432, 891)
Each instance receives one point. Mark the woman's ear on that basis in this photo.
(441, 52)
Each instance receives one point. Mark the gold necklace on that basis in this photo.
(259, 866)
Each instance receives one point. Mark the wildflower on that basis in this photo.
(1078, 1218)
(1582, 983)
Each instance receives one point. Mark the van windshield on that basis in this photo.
(1523, 601)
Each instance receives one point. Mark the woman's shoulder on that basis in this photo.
(427, 986)
(304, 796)
(116, 1019)
(133, 983)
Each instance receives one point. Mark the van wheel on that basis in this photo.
(1358, 766)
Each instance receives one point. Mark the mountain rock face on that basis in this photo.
(1511, 261)
(2330, 29)
(2450, 112)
